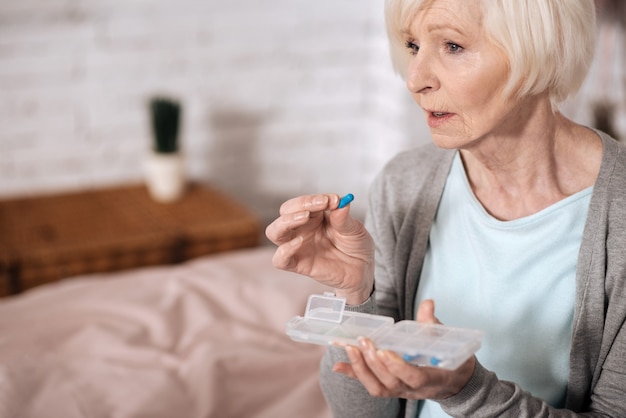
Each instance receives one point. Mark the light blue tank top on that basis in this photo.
(513, 279)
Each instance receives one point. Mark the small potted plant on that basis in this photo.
(165, 176)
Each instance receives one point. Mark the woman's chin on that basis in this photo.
(448, 141)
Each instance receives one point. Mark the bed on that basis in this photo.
(200, 339)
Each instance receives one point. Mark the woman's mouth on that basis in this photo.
(437, 119)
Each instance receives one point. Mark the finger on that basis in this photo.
(419, 382)
(341, 221)
(343, 225)
(426, 312)
(378, 380)
(362, 372)
(400, 368)
(284, 256)
(428, 382)
(345, 369)
(312, 203)
(283, 228)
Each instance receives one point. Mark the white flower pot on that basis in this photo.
(165, 176)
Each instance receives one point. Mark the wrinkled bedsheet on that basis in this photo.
(200, 339)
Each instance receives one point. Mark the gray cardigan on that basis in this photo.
(403, 201)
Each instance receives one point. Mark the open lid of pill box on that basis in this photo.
(327, 322)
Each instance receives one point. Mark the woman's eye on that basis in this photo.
(413, 47)
(453, 48)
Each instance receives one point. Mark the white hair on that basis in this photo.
(549, 43)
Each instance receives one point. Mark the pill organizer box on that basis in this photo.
(327, 322)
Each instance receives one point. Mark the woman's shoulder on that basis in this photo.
(608, 202)
(612, 173)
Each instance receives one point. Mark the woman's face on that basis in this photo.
(457, 75)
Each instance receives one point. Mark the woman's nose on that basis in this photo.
(420, 76)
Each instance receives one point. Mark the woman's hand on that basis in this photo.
(318, 240)
(385, 374)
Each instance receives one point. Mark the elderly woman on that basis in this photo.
(514, 222)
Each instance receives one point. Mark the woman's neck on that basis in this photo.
(550, 158)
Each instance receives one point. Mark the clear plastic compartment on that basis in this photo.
(326, 322)
(430, 344)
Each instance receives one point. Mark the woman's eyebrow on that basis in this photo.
(406, 32)
(432, 27)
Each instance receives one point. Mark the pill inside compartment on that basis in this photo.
(430, 344)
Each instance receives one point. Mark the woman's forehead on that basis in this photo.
(433, 15)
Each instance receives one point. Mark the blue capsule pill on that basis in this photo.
(345, 201)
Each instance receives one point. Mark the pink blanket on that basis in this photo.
(201, 339)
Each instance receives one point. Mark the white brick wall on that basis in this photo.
(281, 97)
